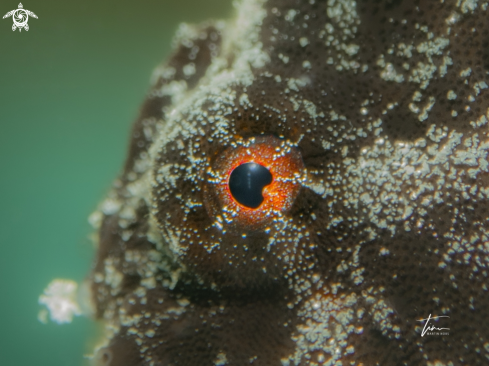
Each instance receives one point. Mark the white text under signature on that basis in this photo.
(428, 328)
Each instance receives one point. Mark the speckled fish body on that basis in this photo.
(387, 104)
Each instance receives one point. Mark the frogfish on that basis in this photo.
(306, 183)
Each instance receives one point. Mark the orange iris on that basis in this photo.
(282, 160)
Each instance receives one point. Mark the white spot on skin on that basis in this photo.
(221, 359)
(150, 333)
(189, 69)
(453, 18)
(479, 86)
(465, 73)
(303, 41)
(284, 58)
(467, 5)
(389, 74)
(290, 15)
(424, 112)
(384, 251)
(451, 95)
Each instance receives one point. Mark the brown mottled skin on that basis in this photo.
(189, 293)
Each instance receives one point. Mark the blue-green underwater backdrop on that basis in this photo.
(69, 90)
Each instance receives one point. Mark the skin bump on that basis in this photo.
(383, 108)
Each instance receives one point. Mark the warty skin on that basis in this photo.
(387, 104)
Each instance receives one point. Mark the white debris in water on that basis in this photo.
(60, 299)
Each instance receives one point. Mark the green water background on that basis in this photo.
(69, 89)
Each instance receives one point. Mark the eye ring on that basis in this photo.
(279, 157)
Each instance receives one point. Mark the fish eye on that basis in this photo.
(252, 182)
(247, 182)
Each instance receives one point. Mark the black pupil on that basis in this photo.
(246, 184)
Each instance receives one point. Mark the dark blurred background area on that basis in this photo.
(70, 88)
